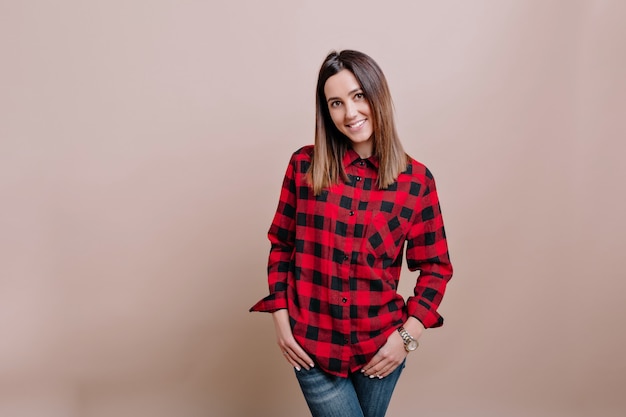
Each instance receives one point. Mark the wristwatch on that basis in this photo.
(410, 344)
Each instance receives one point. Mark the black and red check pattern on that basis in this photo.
(335, 259)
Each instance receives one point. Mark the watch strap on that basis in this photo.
(406, 337)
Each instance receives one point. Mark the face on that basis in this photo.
(350, 111)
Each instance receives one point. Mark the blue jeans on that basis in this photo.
(355, 396)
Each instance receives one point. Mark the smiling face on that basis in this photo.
(350, 111)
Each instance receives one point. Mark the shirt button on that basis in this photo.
(344, 300)
(358, 178)
(346, 341)
(351, 213)
(346, 257)
(361, 163)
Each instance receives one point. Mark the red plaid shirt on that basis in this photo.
(335, 259)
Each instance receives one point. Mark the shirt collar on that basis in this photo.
(353, 158)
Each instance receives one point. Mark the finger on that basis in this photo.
(372, 365)
(301, 357)
(382, 366)
(290, 360)
(382, 369)
(393, 364)
(373, 370)
(388, 369)
(297, 357)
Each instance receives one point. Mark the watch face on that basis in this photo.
(412, 345)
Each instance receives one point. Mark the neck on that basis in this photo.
(364, 150)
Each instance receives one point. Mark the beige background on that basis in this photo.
(142, 148)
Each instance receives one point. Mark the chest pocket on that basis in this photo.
(385, 235)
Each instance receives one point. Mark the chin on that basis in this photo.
(359, 140)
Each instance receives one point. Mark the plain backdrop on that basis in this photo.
(142, 148)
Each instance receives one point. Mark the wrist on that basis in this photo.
(414, 327)
(410, 343)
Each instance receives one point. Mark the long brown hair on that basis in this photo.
(331, 145)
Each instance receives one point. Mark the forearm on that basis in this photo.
(414, 327)
(281, 320)
(429, 290)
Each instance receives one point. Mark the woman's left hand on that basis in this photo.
(388, 357)
(393, 353)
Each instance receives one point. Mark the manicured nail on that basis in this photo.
(362, 371)
(298, 368)
(380, 377)
(371, 376)
(311, 364)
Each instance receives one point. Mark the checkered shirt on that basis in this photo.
(335, 259)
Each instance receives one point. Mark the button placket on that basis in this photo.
(354, 190)
(358, 174)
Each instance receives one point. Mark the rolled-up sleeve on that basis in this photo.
(282, 237)
(427, 251)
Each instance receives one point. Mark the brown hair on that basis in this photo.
(331, 145)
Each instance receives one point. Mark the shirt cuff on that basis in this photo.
(271, 303)
(424, 313)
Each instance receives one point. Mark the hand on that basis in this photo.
(290, 349)
(387, 359)
(391, 355)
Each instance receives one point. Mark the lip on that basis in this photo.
(356, 125)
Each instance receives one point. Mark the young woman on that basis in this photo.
(348, 207)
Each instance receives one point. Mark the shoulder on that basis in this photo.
(418, 171)
(301, 159)
(305, 153)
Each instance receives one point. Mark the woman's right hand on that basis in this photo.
(290, 349)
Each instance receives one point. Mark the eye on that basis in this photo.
(335, 103)
(359, 96)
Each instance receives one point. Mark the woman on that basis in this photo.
(348, 205)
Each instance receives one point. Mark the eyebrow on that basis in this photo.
(350, 93)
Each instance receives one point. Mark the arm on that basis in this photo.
(281, 236)
(427, 251)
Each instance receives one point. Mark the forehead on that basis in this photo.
(341, 84)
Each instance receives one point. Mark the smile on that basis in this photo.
(357, 124)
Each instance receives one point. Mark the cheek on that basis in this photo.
(337, 118)
(366, 109)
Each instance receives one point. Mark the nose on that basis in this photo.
(351, 111)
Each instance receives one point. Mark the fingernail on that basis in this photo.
(297, 368)
(380, 377)
(362, 371)
(371, 376)
(312, 364)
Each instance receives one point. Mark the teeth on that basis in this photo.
(357, 124)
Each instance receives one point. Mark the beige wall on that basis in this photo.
(142, 147)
